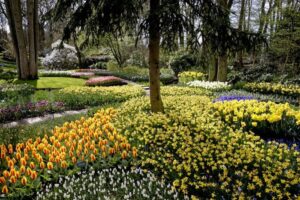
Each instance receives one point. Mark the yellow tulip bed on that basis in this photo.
(270, 88)
(267, 116)
(25, 165)
(185, 77)
(81, 97)
(201, 155)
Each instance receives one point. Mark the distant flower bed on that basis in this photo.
(82, 74)
(216, 86)
(82, 97)
(29, 110)
(273, 88)
(189, 76)
(105, 81)
(55, 73)
(234, 97)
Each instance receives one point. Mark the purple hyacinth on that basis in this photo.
(234, 97)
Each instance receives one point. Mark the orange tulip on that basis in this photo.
(2, 180)
(13, 179)
(74, 159)
(23, 161)
(22, 169)
(32, 165)
(24, 180)
(42, 165)
(33, 175)
(11, 163)
(4, 189)
(93, 157)
(64, 164)
(6, 174)
(112, 151)
(18, 155)
(124, 154)
(50, 165)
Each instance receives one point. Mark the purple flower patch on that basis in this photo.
(234, 97)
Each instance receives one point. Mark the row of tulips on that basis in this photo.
(82, 141)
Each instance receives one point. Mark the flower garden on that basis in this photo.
(214, 140)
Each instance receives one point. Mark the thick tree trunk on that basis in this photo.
(154, 41)
(11, 23)
(213, 69)
(33, 37)
(78, 52)
(222, 69)
(262, 17)
(15, 6)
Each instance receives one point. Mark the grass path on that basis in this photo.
(53, 82)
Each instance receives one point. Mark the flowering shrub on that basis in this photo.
(91, 140)
(105, 81)
(178, 91)
(81, 97)
(233, 97)
(116, 183)
(262, 117)
(29, 110)
(269, 88)
(191, 146)
(216, 86)
(188, 76)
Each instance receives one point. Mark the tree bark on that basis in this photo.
(262, 16)
(11, 23)
(15, 6)
(213, 69)
(240, 28)
(154, 72)
(222, 70)
(33, 37)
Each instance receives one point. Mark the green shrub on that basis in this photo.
(13, 92)
(183, 63)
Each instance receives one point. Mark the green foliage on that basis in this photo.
(285, 43)
(13, 92)
(183, 63)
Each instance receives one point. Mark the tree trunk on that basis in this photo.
(78, 52)
(11, 23)
(154, 41)
(249, 14)
(213, 69)
(222, 70)
(15, 6)
(262, 16)
(240, 28)
(33, 37)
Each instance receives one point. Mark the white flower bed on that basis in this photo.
(210, 85)
(117, 183)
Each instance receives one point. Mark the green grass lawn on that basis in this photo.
(54, 82)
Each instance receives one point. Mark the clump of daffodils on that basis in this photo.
(215, 86)
(185, 77)
(273, 88)
(191, 145)
(115, 183)
(253, 114)
(179, 91)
